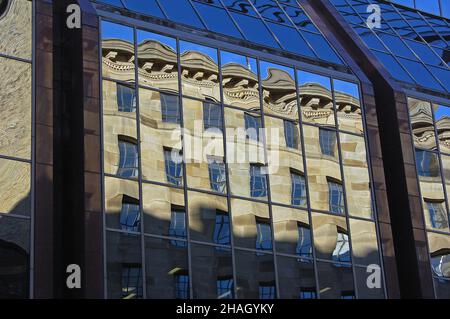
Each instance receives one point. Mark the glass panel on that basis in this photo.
(364, 243)
(122, 204)
(163, 209)
(212, 272)
(291, 40)
(292, 231)
(181, 11)
(251, 224)
(15, 188)
(203, 139)
(157, 61)
(255, 275)
(240, 81)
(331, 237)
(16, 28)
(279, 93)
(335, 281)
(118, 52)
(124, 266)
(148, 7)
(15, 107)
(348, 106)
(160, 131)
(364, 292)
(324, 175)
(14, 256)
(356, 175)
(440, 263)
(200, 71)
(243, 150)
(442, 120)
(254, 30)
(316, 100)
(421, 118)
(297, 280)
(208, 218)
(166, 268)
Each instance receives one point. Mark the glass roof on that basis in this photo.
(438, 7)
(279, 24)
(414, 47)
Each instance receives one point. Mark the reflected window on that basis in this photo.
(427, 163)
(298, 191)
(177, 226)
(170, 108)
(252, 126)
(217, 176)
(308, 293)
(222, 228)
(342, 251)
(212, 116)
(438, 214)
(440, 264)
(304, 247)
(264, 235)
(126, 98)
(128, 160)
(267, 291)
(3, 6)
(181, 286)
(225, 288)
(327, 141)
(130, 214)
(291, 134)
(174, 166)
(335, 197)
(131, 281)
(258, 181)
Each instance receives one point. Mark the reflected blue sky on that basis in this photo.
(248, 63)
(346, 87)
(441, 111)
(116, 31)
(188, 46)
(307, 77)
(143, 35)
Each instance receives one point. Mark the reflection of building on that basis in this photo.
(203, 162)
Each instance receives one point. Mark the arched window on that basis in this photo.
(342, 251)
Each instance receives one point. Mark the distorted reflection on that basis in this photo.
(167, 274)
(15, 187)
(251, 225)
(157, 61)
(164, 212)
(14, 258)
(199, 71)
(240, 81)
(297, 280)
(442, 119)
(324, 173)
(255, 275)
(348, 106)
(316, 99)
(422, 124)
(16, 28)
(124, 266)
(335, 282)
(160, 134)
(440, 263)
(208, 218)
(122, 204)
(279, 91)
(212, 272)
(118, 52)
(15, 108)
(356, 175)
(364, 242)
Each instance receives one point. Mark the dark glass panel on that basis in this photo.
(15, 188)
(335, 281)
(181, 11)
(297, 279)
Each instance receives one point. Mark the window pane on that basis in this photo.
(158, 65)
(148, 7)
(255, 275)
(124, 266)
(335, 281)
(348, 106)
(119, 195)
(255, 30)
(364, 292)
(166, 267)
(208, 218)
(321, 168)
(15, 106)
(336, 197)
(297, 280)
(251, 224)
(182, 12)
(200, 71)
(156, 134)
(15, 188)
(128, 158)
(258, 181)
(421, 118)
(240, 81)
(328, 142)
(441, 116)
(364, 243)
(16, 29)
(212, 272)
(440, 263)
(158, 204)
(291, 40)
(126, 98)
